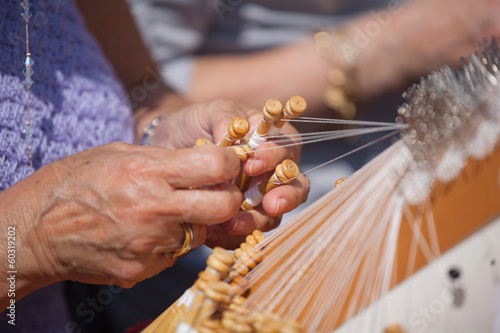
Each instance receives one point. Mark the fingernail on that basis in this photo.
(256, 166)
(239, 226)
(281, 204)
(212, 236)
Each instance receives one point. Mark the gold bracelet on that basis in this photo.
(342, 90)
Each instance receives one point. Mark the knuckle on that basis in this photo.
(222, 166)
(139, 247)
(118, 146)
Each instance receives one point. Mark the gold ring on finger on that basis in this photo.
(188, 242)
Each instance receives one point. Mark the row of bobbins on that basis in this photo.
(215, 303)
(200, 301)
(230, 315)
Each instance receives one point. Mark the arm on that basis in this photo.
(409, 41)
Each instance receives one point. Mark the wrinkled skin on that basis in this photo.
(109, 214)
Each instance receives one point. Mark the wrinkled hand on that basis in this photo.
(210, 120)
(112, 212)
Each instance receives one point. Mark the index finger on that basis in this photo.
(268, 155)
(200, 166)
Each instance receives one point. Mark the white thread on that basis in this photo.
(257, 139)
(273, 131)
(253, 196)
(342, 122)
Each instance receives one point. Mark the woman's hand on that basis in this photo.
(109, 214)
(210, 120)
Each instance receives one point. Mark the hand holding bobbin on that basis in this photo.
(260, 164)
(212, 120)
(284, 174)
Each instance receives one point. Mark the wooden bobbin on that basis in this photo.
(238, 300)
(220, 260)
(212, 326)
(251, 241)
(283, 174)
(185, 313)
(218, 264)
(294, 107)
(204, 277)
(245, 264)
(243, 151)
(199, 303)
(250, 255)
(267, 323)
(218, 291)
(217, 296)
(258, 236)
(236, 130)
(238, 310)
(270, 112)
(198, 312)
(202, 142)
(340, 181)
(242, 181)
(247, 258)
(237, 253)
(211, 295)
(244, 248)
(236, 322)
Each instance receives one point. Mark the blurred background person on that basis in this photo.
(251, 50)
